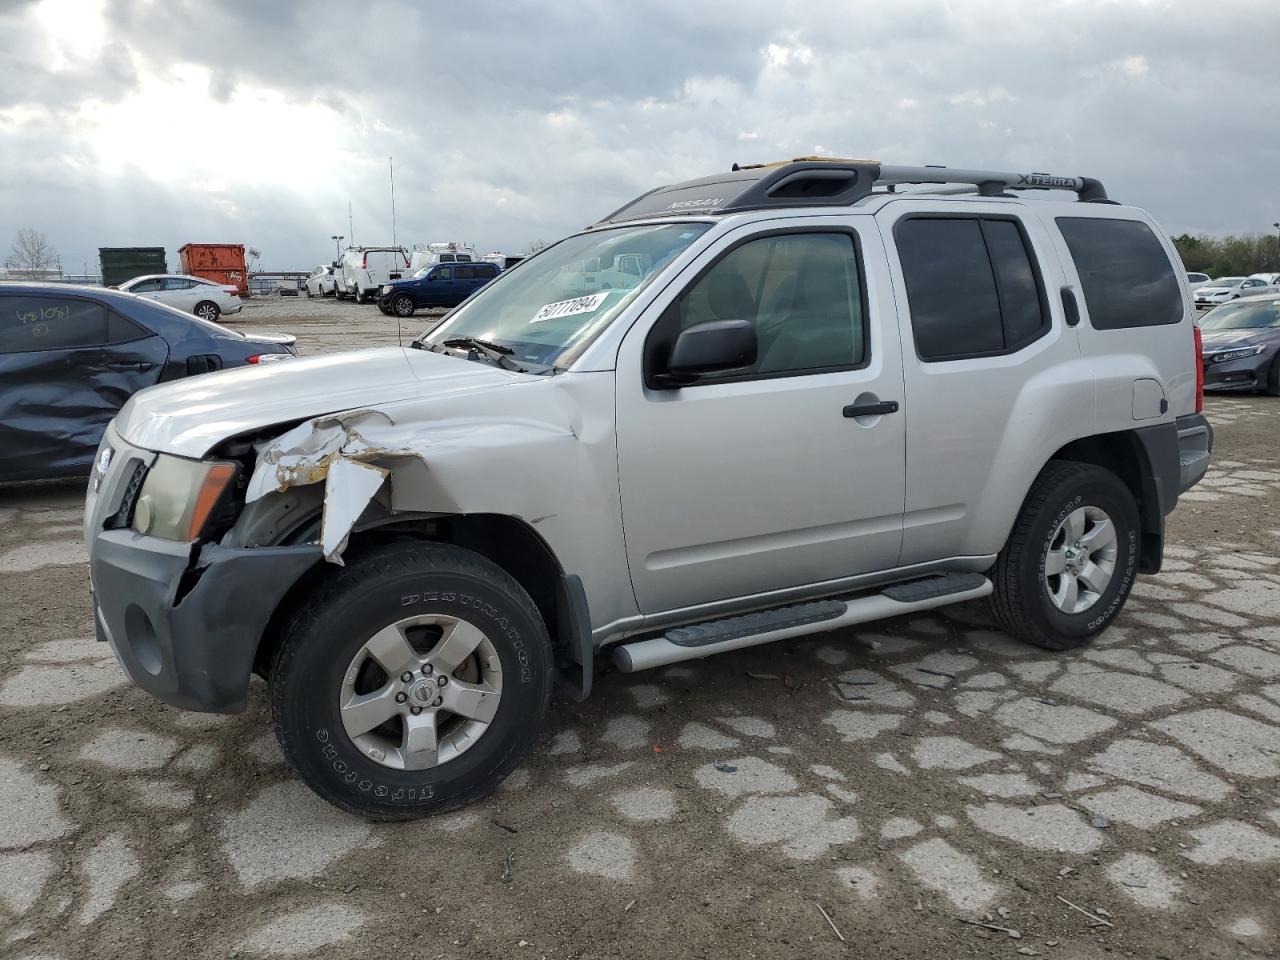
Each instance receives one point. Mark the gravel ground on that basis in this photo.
(903, 778)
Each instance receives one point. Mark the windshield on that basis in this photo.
(549, 308)
(1251, 315)
(1226, 282)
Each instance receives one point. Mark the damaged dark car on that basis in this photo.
(70, 356)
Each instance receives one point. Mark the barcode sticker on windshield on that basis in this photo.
(565, 308)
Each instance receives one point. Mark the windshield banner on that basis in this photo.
(566, 308)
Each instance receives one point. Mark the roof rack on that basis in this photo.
(829, 182)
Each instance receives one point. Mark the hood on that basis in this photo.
(1215, 340)
(190, 417)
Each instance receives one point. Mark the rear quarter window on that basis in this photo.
(1126, 276)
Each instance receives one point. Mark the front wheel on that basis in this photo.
(360, 297)
(206, 310)
(403, 305)
(1070, 561)
(411, 681)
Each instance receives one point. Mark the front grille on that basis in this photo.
(124, 516)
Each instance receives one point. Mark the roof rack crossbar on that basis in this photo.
(991, 183)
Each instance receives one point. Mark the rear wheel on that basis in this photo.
(403, 305)
(411, 681)
(207, 310)
(1070, 562)
(360, 297)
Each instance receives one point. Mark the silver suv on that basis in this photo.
(763, 404)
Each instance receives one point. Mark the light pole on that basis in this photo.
(1277, 226)
(337, 239)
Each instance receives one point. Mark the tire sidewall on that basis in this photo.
(1114, 500)
(395, 305)
(305, 695)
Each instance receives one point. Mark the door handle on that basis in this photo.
(1070, 307)
(871, 409)
(129, 365)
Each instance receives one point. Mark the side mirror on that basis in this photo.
(710, 348)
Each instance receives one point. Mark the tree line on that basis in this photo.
(1230, 256)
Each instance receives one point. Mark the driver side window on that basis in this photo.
(803, 292)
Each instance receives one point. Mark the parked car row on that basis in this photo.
(1210, 293)
(403, 281)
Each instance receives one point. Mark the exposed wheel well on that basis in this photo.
(1124, 455)
(509, 542)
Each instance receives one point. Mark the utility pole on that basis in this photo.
(337, 239)
(351, 230)
(392, 166)
(1277, 226)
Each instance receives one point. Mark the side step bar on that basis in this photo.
(783, 623)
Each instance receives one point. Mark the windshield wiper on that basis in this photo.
(500, 355)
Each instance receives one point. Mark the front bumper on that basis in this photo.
(187, 629)
(1247, 373)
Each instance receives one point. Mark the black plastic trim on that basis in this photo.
(578, 648)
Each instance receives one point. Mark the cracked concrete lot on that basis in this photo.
(1122, 800)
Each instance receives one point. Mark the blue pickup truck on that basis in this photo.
(438, 285)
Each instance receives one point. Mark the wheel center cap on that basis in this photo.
(422, 692)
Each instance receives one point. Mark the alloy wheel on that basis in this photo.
(1080, 560)
(421, 692)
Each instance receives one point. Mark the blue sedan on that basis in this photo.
(70, 357)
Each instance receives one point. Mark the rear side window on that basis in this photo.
(464, 273)
(972, 286)
(1127, 278)
(29, 324)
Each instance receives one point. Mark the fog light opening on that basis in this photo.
(142, 639)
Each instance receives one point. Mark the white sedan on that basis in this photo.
(322, 282)
(205, 298)
(1232, 288)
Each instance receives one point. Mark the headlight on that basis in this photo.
(1234, 354)
(386, 288)
(179, 495)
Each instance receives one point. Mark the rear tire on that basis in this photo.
(360, 297)
(324, 658)
(207, 310)
(1078, 529)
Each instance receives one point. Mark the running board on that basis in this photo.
(783, 623)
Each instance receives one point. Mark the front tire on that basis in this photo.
(1070, 561)
(207, 310)
(1273, 378)
(356, 694)
(403, 305)
(360, 297)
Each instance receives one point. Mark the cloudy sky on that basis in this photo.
(159, 122)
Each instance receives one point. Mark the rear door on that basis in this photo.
(983, 332)
(67, 365)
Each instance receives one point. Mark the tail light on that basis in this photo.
(268, 357)
(1199, 342)
(234, 291)
(364, 262)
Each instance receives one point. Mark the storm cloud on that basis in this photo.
(161, 123)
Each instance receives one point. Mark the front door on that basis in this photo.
(67, 366)
(768, 477)
(438, 290)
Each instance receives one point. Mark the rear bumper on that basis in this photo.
(232, 306)
(188, 632)
(1195, 444)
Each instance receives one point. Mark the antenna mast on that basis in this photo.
(392, 166)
